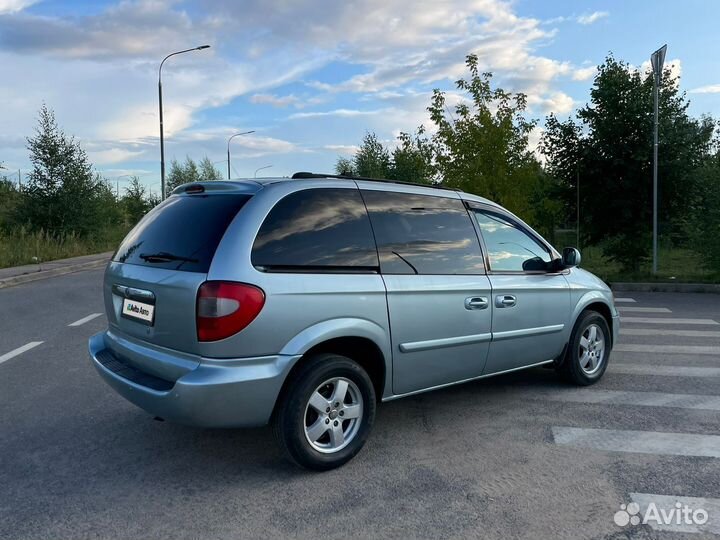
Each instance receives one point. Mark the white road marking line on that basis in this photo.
(633, 309)
(625, 300)
(646, 399)
(668, 332)
(85, 319)
(667, 349)
(659, 320)
(667, 503)
(640, 442)
(12, 354)
(664, 371)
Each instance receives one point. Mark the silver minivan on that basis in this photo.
(304, 301)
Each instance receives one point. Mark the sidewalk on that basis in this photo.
(33, 272)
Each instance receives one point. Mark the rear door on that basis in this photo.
(438, 295)
(151, 283)
(531, 303)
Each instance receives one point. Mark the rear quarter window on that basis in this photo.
(323, 229)
(183, 226)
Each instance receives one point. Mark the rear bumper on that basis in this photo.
(217, 393)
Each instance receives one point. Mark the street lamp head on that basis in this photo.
(201, 47)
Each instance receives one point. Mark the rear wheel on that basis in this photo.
(325, 415)
(588, 351)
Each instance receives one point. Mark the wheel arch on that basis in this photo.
(594, 301)
(363, 341)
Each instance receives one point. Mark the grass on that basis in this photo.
(21, 247)
(676, 264)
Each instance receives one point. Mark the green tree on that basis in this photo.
(135, 201)
(372, 160)
(483, 147)
(191, 171)
(704, 223)
(412, 159)
(60, 194)
(108, 209)
(208, 171)
(345, 167)
(10, 197)
(610, 148)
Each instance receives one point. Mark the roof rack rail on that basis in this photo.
(306, 175)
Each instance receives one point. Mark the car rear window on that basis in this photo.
(182, 233)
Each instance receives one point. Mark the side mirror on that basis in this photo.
(570, 257)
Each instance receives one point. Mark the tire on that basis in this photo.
(314, 430)
(587, 357)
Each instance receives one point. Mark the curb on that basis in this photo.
(667, 287)
(44, 274)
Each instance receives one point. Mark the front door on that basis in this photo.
(531, 303)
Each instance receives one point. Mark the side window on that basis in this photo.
(321, 229)
(509, 247)
(420, 234)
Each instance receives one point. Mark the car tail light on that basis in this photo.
(224, 308)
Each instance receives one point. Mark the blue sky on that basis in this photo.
(311, 76)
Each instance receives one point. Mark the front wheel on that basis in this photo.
(588, 351)
(325, 415)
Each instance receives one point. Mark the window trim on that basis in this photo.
(485, 208)
(473, 223)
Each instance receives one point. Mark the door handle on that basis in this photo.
(505, 300)
(476, 302)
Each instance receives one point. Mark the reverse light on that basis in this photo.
(224, 308)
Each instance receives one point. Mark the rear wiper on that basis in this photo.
(164, 256)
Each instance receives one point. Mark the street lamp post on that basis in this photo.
(260, 169)
(657, 59)
(162, 141)
(228, 147)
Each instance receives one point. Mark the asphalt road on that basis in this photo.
(517, 456)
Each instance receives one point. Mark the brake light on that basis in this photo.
(224, 308)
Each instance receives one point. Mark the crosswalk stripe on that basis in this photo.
(633, 309)
(668, 332)
(641, 442)
(632, 300)
(669, 502)
(661, 320)
(617, 397)
(667, 349)
(664, 371)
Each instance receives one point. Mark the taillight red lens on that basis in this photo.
(224, 308)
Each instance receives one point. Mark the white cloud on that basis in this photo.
(337, 112)
(349, 149)
(275, 101)
(556, 102)
(674, 65)
(709, 89)
(13, 6)
(112, 156)
(583, 74)
(103, 69)
(590, 18)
